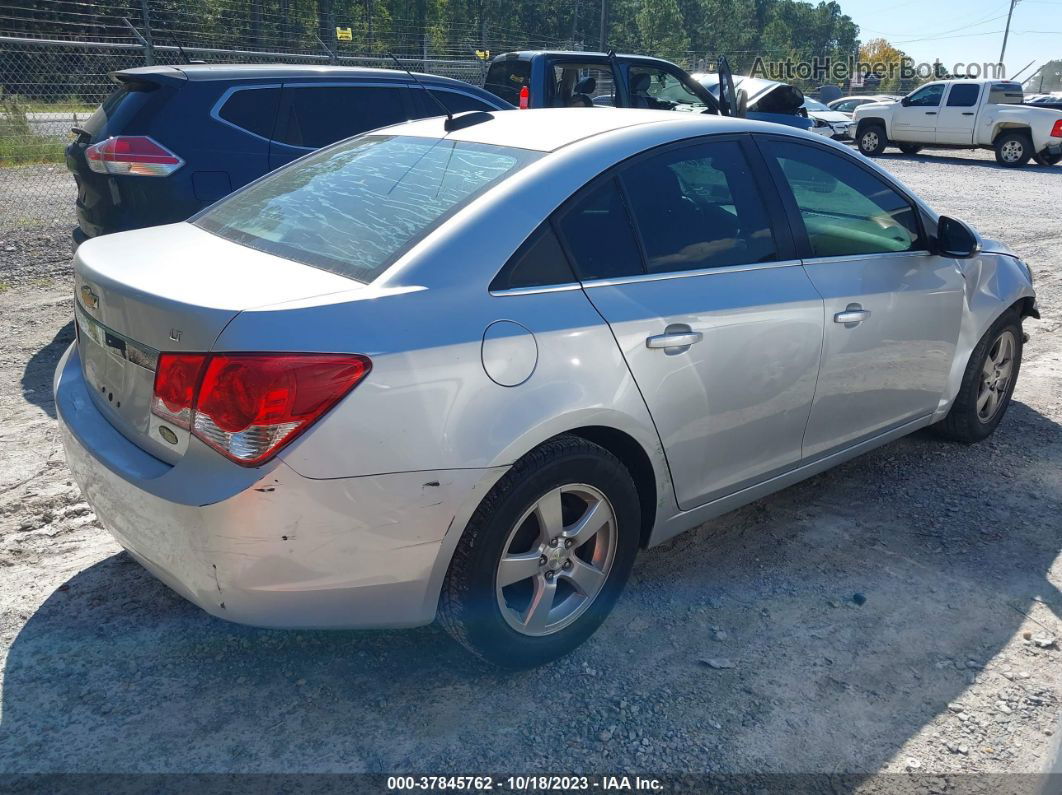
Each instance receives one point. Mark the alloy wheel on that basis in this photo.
(556, 559)
(870, 140)
(1011, 151)
(995, 376)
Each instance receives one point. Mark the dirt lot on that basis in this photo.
(898, 613)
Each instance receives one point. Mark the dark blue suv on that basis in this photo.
(172, 139)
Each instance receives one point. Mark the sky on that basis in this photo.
(964, 31)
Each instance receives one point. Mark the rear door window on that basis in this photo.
(315, 116)
(505, 79)
(963, 95)
(355, 207)
(699, 207)
(576, 85)
(599, 235)
(252, 109)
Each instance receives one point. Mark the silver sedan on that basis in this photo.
(468, 369)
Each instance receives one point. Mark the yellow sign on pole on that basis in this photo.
(344, 34)
(483, 55)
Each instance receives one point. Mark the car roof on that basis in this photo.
(549, 129)
(282, 71)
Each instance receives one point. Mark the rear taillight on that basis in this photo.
(132, 154)
(1056, 131)
(247, 406)
(525, 98)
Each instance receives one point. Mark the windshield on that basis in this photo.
(355, 207)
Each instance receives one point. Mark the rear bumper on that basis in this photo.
(267, 547)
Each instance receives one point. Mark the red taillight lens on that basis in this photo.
(525, 98)
(247, 406)
(176, 379)
(132, 154)
(1056, 131)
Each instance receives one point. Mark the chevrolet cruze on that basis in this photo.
(466, 369)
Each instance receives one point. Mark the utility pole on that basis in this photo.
(1006, 31)
(604, 15)
(575, 22)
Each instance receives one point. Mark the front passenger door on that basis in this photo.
(720, 330)
(915, 119)
(893, 309)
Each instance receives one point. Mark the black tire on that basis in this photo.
(1044, 159)
(1013, 149)
(963, 422)
(871, 140)
(469, 606)
(910, 149)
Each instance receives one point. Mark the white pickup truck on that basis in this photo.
(963, 114)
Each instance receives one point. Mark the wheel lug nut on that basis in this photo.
(542, 560)
(554, 542)
(568, 543)
(549, 575)
(567, 564)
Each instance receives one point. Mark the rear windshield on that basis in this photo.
(355, 207)
(95, 123)
(506, 78)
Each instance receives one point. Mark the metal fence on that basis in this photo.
(48, 86)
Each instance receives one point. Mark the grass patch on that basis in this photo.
(19, 144)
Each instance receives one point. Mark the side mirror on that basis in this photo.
(956, 239)
(905, 101)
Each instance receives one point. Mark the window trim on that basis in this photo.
(215, 111)
(792, 209)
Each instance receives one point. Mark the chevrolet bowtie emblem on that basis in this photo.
(89, 298)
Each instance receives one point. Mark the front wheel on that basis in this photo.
(987, 384)
(544, 557)
(1013, 149)
(1044, 159)
(872, 140)
(910, 149)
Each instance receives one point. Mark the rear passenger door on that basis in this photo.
(955, 122)
(313, 115)
(719, 324)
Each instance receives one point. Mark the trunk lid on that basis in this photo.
(172, 288)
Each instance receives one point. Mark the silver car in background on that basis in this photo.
(467, 369)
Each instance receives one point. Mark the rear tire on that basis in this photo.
(987, 384)
(1013, 149)
(566, 484)
(872, 140)
(910, 149)
(1044, 159)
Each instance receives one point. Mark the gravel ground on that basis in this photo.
(897, 613)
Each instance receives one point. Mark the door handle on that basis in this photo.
(853, 315)
(967, 113)
(674, 339)
(931, 113)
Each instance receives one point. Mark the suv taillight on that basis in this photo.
(1056, 131)
(132, 154)
(247, 406)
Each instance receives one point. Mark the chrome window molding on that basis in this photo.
(860, 257)
(669, 275)
(546, 288)
(215, 112)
